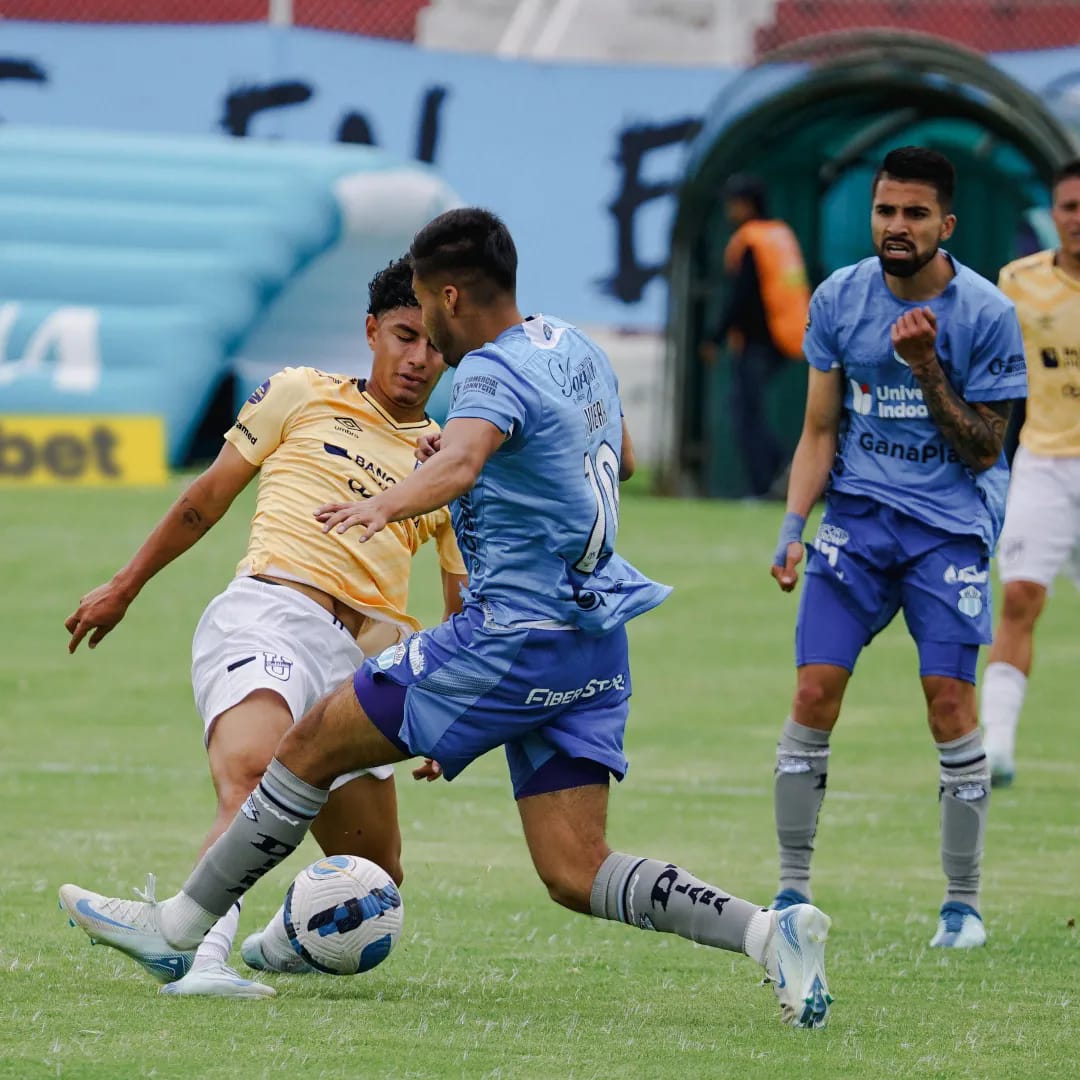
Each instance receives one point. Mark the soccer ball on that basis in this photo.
(343, 914)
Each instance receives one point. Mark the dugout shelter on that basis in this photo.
(813, 121)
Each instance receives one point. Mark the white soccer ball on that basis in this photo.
(343, 914)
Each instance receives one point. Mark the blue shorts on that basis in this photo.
(556, 699)
(869, 561)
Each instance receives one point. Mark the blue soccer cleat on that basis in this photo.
(959, 927)
(786, 898)
(795, 965)
(129, 926)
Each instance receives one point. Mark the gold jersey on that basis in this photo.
(1048, 303)
(320, 438)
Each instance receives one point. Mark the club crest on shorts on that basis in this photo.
(280, 667)
(970, 602)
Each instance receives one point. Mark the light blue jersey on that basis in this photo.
(890, 449)
(537, 530)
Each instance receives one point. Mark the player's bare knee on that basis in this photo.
(817, 703)
(952, 711)
(1023, 603)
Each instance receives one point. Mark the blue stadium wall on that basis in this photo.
(263, 244)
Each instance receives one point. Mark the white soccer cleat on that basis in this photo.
(217, 980)
(795, 965)
(130, 926)
(960, 926)
(266, 959)
(1002, 767)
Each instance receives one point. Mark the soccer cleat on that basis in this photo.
(130, 926)
(959, 927)
(217, 980)
(786, 898)
(795, 965)
(1002, 769)
(256, 957)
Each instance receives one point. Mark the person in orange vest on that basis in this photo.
(762, 324)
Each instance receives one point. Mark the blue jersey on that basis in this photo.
(890, 449)
(537, 530)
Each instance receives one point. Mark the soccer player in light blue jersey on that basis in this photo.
(531, 457)
(914, 362)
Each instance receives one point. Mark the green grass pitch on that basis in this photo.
(103, 778)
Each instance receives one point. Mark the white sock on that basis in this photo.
(1003, 689)
(758, 932)
(183, 922)
(275, 943)
(217, 944)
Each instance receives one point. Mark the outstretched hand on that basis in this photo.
(98, 611)
(343, 516)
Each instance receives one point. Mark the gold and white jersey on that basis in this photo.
(1048, 303)
(321, 438)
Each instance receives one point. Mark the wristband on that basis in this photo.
(790, 533)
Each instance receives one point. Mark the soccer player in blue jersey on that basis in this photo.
(914, 362)
(531, 455)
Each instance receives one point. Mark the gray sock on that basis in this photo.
(802, 767)
(270, 825)
(658, 896)
(965, 802)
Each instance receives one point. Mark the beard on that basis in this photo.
(905, 268)
(440, 338)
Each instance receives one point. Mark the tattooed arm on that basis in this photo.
(976, 431)
(189, 519)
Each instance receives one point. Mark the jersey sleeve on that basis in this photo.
(998, 370)
(486, 388)
(446, 545)
(264, 420)
(819, 341)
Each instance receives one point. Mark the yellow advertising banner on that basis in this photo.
(57, 451)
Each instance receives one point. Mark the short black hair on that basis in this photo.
(924, 166)
(1069, 171)
(471, 244)
(749, 187)
(392, 288)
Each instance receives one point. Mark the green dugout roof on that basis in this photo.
(813, 122)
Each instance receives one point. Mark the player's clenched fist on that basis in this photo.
(789, 551)
(913, 337)
(428, 446)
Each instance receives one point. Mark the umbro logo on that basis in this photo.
(347, 425)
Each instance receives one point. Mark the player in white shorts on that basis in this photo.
(1042, 519)
(304, 610)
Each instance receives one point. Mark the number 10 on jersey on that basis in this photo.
(602, 473)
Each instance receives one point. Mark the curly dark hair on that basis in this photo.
(392, 288)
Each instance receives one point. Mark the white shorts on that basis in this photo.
(1042, 519)
(257, 636)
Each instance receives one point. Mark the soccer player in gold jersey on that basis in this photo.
(1042, 519)
(304, 609)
